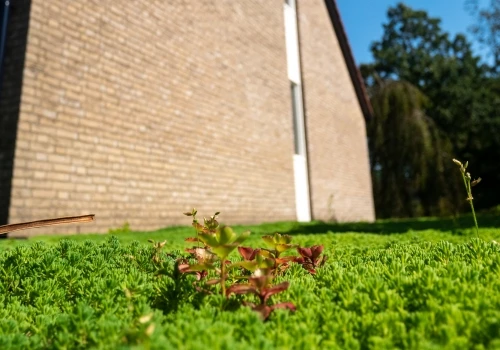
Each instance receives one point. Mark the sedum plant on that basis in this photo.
(218, 243)
(215, 243)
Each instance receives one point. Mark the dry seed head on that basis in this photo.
(476, 181)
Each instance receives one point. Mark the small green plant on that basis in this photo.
(269, 259)
(218, 243)
(125, 228)
(157, 248)
(469, 183)
(262, 264)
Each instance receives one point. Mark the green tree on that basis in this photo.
(461, 99)
(487, 28)
(408, 154)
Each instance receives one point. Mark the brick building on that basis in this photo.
(139, 110)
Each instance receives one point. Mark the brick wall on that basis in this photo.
(138, 110)
(337, 148)
(10, 92)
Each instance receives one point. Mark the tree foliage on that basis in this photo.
(487, 27)
(461, 107)
(409, 155)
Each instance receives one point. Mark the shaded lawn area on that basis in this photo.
(360, 234)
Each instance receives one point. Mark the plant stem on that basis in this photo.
(469, 199)
(223, 276)
(475, 220)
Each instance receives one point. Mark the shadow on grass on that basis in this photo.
(454, 225)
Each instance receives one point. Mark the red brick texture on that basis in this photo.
(138, 110)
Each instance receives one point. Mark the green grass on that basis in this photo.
(362, 234)
(408, 284)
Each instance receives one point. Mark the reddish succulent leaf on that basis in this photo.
(248, 253)
(241, 289)
(263, 310)
(201, 274)
(183, 268)
(268, 292)
(304, 252)
(299, 260)
(316, 251)
(286, 305)
(190, 250)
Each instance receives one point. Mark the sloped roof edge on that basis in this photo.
(355, 74)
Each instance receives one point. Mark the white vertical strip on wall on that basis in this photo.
(302, 199)
(292, 44)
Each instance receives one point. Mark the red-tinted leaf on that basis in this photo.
(263, 310)
(201, 275)
(183, 268)
(304, 252)
(268, 292)
(247, 253)
(284, 260)
(192, 239)
(286, 305)
(316, 251)
(241, 289)
(299, 260)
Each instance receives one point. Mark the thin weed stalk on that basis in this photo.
(469, 183)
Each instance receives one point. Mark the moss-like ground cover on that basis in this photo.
(421, 284)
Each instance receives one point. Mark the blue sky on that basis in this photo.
(363, 20)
